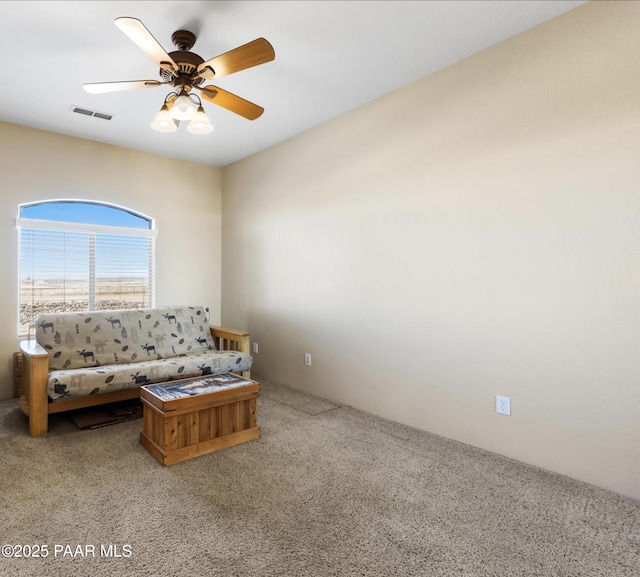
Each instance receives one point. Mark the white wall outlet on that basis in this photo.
(307, 359)
(503, 405)
(255, 348)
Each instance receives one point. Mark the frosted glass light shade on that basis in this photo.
(164, 122)
(200, 123)
(182, 108)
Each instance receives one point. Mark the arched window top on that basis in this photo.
(85, 212)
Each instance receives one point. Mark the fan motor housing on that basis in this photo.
(187, 61)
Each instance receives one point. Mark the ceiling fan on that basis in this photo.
(186, 71)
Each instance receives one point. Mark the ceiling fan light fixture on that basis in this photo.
(185, 70)
(182, 108)
(200, 123)
(164, 122)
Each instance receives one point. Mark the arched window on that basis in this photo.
(83, 256)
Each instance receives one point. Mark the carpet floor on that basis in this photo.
(326, 491)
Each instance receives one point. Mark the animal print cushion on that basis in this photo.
(98, 338)
(109, 378)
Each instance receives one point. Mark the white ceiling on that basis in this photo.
(331, 57)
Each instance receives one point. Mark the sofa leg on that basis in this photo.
(35, 363)
(38, 421)
(38, 407)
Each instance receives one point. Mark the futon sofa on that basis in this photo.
(84, 359)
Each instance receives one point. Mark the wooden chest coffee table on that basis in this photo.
(191, 417)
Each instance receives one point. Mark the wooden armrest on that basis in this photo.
(34, 400)
(32, 349)
(223, 331)
(227, 339)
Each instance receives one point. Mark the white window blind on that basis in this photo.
(66, 267)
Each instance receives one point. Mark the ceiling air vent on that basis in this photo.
(93, 113)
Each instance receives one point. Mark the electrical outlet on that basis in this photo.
(503, 405)
(255, 348)
(307, 359)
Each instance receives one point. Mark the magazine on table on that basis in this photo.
(196, 386)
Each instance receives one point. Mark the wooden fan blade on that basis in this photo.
(232, 102)
(251, 54)
(143, 39)
(101, 87)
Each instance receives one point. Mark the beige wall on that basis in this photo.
(183, 198)
(472, 234)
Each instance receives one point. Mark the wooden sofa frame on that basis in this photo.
(36, 404)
